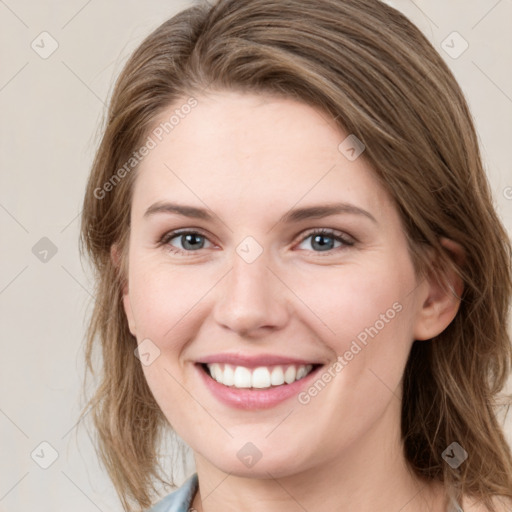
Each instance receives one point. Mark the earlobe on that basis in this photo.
(444, 292)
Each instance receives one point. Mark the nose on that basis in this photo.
(251, 300)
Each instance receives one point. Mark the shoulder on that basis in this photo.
(180, 500)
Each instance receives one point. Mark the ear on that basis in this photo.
(444, 292)
(115, 256)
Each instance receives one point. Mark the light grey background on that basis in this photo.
(51, 109)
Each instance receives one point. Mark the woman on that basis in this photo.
(287, 215)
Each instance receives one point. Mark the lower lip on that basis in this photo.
(250, 398)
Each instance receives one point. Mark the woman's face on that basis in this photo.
(289, 257)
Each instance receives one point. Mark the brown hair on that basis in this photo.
(371, 69)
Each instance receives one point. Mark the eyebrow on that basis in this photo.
(295, 215)
(320, 211)
(186, 211)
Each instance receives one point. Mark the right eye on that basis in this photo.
(190, 241)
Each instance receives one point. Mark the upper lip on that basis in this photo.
(253, 361)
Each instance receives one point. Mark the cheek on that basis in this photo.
(369, 314)
(354, 302)
(164, 301)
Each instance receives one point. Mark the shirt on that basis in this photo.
(181, 499)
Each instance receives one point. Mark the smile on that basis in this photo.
(255, 383)
(259, 378)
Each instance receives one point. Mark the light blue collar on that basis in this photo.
(180, 500)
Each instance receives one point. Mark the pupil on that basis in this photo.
(190, 239)
(323, 246)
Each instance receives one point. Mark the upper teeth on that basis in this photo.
(261, 377)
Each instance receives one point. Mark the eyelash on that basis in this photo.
(344, 239)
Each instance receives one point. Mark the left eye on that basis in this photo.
(324, 240)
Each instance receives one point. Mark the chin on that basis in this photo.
(250, 462)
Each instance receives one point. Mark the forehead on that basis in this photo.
(233, 148)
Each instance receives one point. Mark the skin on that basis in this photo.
(250, 159)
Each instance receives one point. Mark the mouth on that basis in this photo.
(261, 377)
(255, 381)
